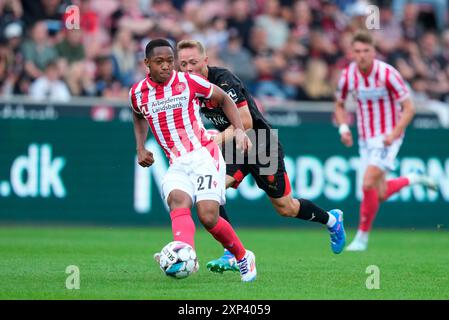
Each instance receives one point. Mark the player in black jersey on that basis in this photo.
(269, 172)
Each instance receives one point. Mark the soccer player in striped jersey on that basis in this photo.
(384, 110)
(192, 58)
(167, 101)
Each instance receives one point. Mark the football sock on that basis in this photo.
(183, 227)
(225, 234)
(311, 212)
(368, 209)
(394, 185)
(223, 214)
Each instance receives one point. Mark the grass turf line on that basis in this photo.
(116, 263)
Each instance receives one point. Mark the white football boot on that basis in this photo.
(419, 177)
(358, 245)
(247, 267)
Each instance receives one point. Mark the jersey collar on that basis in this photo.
(368, 73)
(166, 83)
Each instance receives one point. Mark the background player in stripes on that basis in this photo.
(192, 58)
(384, 110)
(167, 101)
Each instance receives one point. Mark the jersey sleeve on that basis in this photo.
(200, 86)
(396, 85)
(233, 88)
(133, 101)
(342, 88)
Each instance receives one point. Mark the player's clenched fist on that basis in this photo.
(145, 157)
(346, 139)
(242, 141)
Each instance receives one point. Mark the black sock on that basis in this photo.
(311, 212)
(223, 214)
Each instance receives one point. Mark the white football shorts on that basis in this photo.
(200, 173)
(374, 152)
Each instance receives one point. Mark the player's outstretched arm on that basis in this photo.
(144, 157)
(228, 133)
(343, 128)
(408, 112)
(221, 98)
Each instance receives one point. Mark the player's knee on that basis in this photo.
(175, 202)
(208, 218)
(369, 184)
(381, 196)
(286, 210)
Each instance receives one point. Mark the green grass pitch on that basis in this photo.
(116, 263)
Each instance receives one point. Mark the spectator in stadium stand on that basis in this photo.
(431, 69)
(273, 24)
(301, 23)
(320, 28)
(345, 51)
(269, 65)
(316, 83)
(50, 11)
(293, 74)
(4, 66)
(10, 11)
(95, 37)
(403, 58)
(124, 56)
(439, 9)
(388, 37)
(107, 85)
(238, 58)
(49, 86)
(129, 15)
(241, 20)
(11, 57)
(71, 48)
(38, 51)
(412, 28)
(444, 57)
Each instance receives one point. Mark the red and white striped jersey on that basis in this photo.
(378, 94)
(172, 111)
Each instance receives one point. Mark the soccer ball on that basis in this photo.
(178, 260)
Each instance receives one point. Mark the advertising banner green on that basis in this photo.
(78, 165)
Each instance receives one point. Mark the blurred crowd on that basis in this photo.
(282, 49)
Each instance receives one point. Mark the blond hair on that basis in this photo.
(363, 36)
(189, 44)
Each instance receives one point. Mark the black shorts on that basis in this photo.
(275, 185)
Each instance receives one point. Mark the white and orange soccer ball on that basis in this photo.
(178, 260)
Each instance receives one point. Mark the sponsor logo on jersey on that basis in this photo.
(179, 88)
(232, 94)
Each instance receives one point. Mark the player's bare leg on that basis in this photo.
(223, 232)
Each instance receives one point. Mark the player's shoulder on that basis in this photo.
(223, 77)
(348, 69)
(186, 76)
(384, 65)
(139, 86)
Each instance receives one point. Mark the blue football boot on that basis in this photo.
(337, 232)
